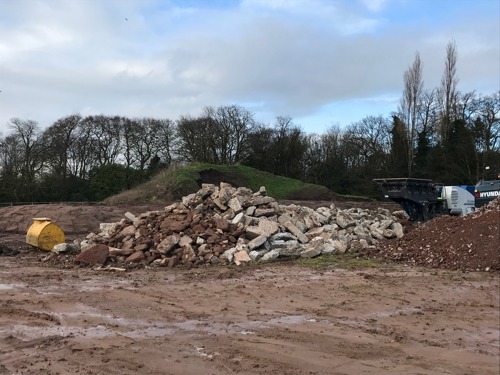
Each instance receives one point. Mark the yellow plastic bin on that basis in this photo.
(44, 234)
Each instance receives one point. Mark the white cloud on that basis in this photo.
(374, 5)
(278, 57)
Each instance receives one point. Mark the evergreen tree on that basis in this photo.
(399, 149)
(459, 155)
(422, 155)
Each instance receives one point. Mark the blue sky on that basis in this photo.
(321, 62)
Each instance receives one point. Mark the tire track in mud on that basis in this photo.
(276, 318)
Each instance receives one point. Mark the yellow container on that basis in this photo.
(44, 234)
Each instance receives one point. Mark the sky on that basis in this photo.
(320, 62)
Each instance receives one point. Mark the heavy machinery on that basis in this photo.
(423, 199)
(485, 191)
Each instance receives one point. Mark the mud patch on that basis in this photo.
(277, 318)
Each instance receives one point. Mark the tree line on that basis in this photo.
(441, 134)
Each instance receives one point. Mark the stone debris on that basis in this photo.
(96, 254)
(227, 225)
(67, 247)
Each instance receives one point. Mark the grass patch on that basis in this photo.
(355, 197)
(278, 187)
(345, 261)
(160, 189)
(178, 181)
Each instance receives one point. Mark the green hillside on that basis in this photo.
(175, 182)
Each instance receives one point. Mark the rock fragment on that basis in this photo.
(96, 254)
(225, 225)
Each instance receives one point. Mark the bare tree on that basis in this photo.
(428, 114)
(106, 135)
(58, 139)
(220, 135)
(410, 106)
(81, 155)
(488, 114)
(10, 156)
(314, 158)
(195, 139)
(289, 146)
(32, 160)
(166, 140)
(10, 167)
(260, 146)
(448, 90)
(368, 141)
(147, 138)
(332, 143)
(233, 126)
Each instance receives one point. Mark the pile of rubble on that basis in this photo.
(224, 225)
(470, 243)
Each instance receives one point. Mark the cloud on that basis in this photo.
(374, 5)
(277, 57)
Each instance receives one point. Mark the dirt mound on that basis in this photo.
(73, 219)
(468, 243)
(177, 181)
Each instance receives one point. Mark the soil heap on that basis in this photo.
(469, 243)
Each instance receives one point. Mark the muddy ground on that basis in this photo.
(280, 318)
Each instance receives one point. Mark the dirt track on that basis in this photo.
(279, 319)
(276, 318)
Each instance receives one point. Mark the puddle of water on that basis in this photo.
(11, 286)
(404, 311)
(89, 312)
(291, 319)
(31, 332)
(92, 285)
(149, 332)
(141, 329)
(86, 286)
(247, 333)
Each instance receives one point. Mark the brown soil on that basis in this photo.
(60, 318)
(74, 220)
(470, 243)
(79, 220)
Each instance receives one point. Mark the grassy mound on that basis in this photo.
(177, 181)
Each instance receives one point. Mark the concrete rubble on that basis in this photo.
(227, 225)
